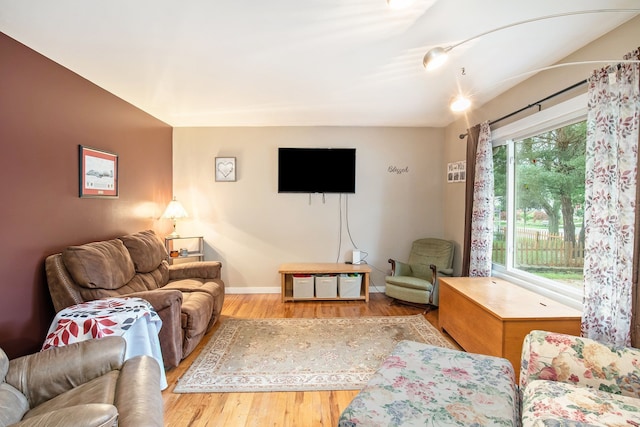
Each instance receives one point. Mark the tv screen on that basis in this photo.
(316, 170)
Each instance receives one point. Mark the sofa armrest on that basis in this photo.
(159, 299)
(63, 290)
(580, 361)
(190, 270)
(89, 415)
(168, 304)
(138, 396)
(44, 375)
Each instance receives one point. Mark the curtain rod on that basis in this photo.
(534, 104)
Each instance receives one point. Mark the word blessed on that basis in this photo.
(397, 170)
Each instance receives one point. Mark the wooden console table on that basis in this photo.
(491, 316)
(288, 270)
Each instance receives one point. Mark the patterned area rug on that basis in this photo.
(256, 355)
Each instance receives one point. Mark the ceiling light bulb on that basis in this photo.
(399, 4)
(434, 58)
(460, 103)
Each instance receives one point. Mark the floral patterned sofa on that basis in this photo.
(565, 381)
(573, 381)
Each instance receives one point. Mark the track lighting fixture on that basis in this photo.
(437, 56)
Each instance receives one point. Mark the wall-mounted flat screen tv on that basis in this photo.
(316, 170)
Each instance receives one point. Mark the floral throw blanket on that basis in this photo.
(97, 319)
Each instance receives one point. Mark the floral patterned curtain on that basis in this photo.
(481, 239)
(610, 199)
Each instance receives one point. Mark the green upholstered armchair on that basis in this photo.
(416, 280)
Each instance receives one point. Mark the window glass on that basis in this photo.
(500, 205)
(539, 199)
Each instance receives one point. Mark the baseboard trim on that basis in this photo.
(252, 290)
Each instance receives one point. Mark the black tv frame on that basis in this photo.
(316, 170)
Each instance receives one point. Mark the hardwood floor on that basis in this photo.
(319, 408)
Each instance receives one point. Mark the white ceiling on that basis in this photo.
(301, 62)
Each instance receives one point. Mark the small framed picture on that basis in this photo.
(98, 173)
(225, 168)
(457, 171)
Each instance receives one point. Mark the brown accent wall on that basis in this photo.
(46, 111)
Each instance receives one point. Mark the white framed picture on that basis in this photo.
(225, 168)
(457, 171)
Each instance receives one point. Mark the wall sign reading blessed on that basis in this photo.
(397, 170)
(225, 168)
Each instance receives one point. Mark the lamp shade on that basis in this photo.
(435, 58)
(175, 210)
(460, 103)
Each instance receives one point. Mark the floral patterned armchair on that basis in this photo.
(572, 381)
(565, 381)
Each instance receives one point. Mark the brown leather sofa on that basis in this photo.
(83, 384)
(188, 297)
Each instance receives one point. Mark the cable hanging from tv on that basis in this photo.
(324, 200)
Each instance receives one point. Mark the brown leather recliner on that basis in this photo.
(83, 384)
(188, 297)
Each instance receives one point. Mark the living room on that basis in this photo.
(46, 111)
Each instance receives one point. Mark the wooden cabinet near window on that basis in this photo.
(491, 316)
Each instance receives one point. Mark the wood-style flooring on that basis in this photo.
(295, 409)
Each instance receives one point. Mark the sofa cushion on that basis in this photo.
(13, 403)
(410, 282)
(87, 415)
(146, 250)
(197, 308)
(196, 313)
(104, 265)
(425, 252)
(99, 390)
(580, 361)
(545, 402)
(149, 281)
(211, 287)
(4, 365)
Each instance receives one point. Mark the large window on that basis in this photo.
(539, 170)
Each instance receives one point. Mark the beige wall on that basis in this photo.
(611, 46)
(253, 229)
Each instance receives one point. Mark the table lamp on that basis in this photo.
(174, 211)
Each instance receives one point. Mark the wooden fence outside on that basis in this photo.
(539, 248)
